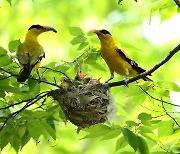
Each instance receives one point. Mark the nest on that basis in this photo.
(86, 104)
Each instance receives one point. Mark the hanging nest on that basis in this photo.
(85, 104)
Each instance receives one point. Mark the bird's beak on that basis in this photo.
(48, 28)
(96, 31)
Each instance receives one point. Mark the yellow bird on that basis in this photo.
(115, 56)
(30, 52)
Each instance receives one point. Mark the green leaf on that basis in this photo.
(144, 116)
(138, 99)
(24, 88)
(166, 128)
(143, 147)
(77, 40)
(133, 90)
(21, 130)
(146, 122)
(49, 129)
(160, 6)
(4, 139)
(145, 129)
(4, 82)
(90, 33)
(13, 45)
(131, 138)
(121, 143)
(169, 85)
(92, 58)
(155, 121)
(8, 88)
(15, 142)
(168, 12)
(25, 139)
(159, 152)
(34, 88)
(127, 152)
(5, 60)
(131, 123)
(2, 93)
(112, 134)
(97, 131)
(35, 129)
(150, 136)
(10, 2)
(82, 45)
(2, 51)
(76, 31)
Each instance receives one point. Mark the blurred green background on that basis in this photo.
(129, 23)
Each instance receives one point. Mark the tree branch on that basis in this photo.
(148, 72)
(177, 2)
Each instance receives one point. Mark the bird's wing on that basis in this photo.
(22, 55)
(29, 58)
(36, 59)
(127, 58)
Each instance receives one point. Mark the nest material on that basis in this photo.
(86, 104)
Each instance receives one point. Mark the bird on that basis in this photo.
(116, 57)
(30, 52)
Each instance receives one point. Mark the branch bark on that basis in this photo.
(177, 3)
(148, 72)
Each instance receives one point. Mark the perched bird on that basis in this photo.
(115, 56)
(30, 52)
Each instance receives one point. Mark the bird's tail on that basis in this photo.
(24, 74)
(140, 70)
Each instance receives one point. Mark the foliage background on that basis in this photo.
(147, 42)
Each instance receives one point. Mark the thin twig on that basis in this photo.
(14, 114)
(23, 101)
(58, 71)
(157, 98)
(43, 81)
(38, 80)
(170, 115)
(40, 106)
(148, 72)
(159, 116)
(158, 111)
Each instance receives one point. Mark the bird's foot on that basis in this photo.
(111, 77)
(108, 80)
(125, 82)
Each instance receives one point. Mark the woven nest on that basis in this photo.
(86, 104)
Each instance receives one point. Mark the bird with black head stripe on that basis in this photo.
(116, 57)
(30, 52)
